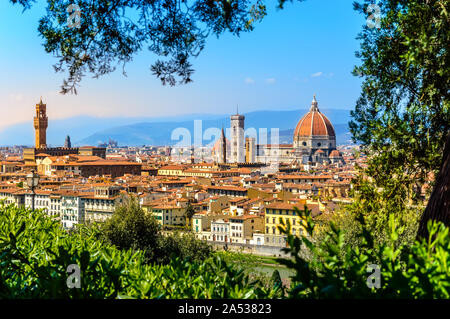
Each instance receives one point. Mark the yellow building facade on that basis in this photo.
(284, 211)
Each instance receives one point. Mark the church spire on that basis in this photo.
(222, 148)
(314, 105)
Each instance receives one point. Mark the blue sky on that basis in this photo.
(293, 53)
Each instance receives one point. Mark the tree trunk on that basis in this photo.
(438, 207)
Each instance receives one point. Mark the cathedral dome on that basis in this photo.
(314, 123)
(335, 153)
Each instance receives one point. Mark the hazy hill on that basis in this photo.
(78, 127)
(159, 133)
(86, 130)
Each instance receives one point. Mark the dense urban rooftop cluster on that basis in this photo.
(233, 203)
(236, 192)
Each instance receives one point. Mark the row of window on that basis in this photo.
(221, 229)
(174, 219)
(220, 238)
(71, 218)
(318, 144)
(41, 203)
(295, 231)
(280, 212)
(292, 220)
(276, 240)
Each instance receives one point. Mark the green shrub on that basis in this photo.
(131, 227)
(420, 270)
(35, 253)
(186, 246)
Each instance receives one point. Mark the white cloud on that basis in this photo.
(16, 97)
(249, 80)
(270, 80)
(317, 74)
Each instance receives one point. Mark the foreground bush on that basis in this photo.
(131, 227)
(421, 270)
(185, 246)
(35, 253)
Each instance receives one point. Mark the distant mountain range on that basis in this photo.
(86, 130)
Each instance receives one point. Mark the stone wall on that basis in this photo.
(261, 250)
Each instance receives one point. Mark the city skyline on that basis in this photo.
(276, 174)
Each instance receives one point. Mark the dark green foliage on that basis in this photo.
(421, 270)
(188, 214)
(402, 116)
(112, 32)
(35, 253)
(184, 246)
(276, 280)
(131, 228)
(376, 207)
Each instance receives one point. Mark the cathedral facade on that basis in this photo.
(314, 136)
(314, 141)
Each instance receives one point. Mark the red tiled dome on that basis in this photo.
(314, 123)
(335, 153)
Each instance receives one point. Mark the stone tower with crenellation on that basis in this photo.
(67, 142)
(40, 125)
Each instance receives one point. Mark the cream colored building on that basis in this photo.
(167, 214)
